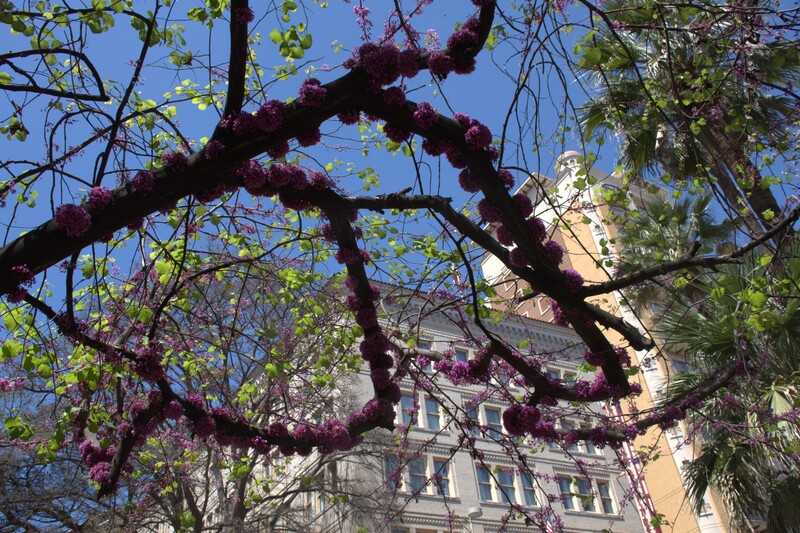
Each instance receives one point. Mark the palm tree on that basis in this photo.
(664, 230)
(748, 320)
(691, 91)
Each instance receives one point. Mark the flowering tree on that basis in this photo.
(159, 184)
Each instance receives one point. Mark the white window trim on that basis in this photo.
(430, 488)
(578, 505)
(497, 493)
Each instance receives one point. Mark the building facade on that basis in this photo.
(455, 469)
(579, 197)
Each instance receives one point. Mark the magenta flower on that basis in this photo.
(523, 204)
(489, 212)
(279, 150)
(213, 149)
(175, 161)
(573, 281)
(144, 181)
(269, 116)
(506, 177)
(309, 137)
(468, 181)
(100, 198)
(395, 134)
(349, 116)
(440, 64)
(73, 220)
(408, 63)
(478, 136)
(504, 236)
(554, 251)
(425, 116)
(312, 93)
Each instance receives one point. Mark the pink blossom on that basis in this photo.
(312, 93)
(213, 149)
(504, 236)
(519, 258)
(205, 427)
(408, 63)
(573, 281)
(395, 134)
(434, 147)
(478, 136)
(309, 137)
(537, 229)
(279, 150)
(269, 116)
(73, 220)
(554, 251)
(101, 473)
(144, 181)
(522, 203)
(349, 116)
(253, 176)
(244, 15)
(425, 116)
(506, 177)
(559, 317)
(175, 161)
(22, 275)
(440, 64)
(464, 38)
(468, 181)
(100, 198)
(488, 211)
(380, 62)
(148, 364)
(394, 96)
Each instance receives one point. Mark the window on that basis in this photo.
(408, 411)
(394, 477)
(528, 489)
(472, 414)
(570, 378)
(421, 475)
(432, 414)
(442, 470)
(553, 374)
(416, 472)
(585, 491)
(497, 484)
(462, 355)
(493, 421)
(606, 501)
(425, 345)
(565, 488)
(589, 445)
(505, 481)
(586, 497)
(484, 483)
(680, 366)
(569, 426)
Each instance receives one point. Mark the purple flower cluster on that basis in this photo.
(73, 220)
(504, 236)
(425, 116)
(312, 94)
(213, 149)
(522, 203)
(98, 460)
(478, 136)
(375, 410)
(573, 281)
(504, 175)
(380, 62)
(175, 161)
(7, 385)
(394, 96)
(520, 419)
(100, 198)
(554, 251)
(594, 358)
(396, 134)
(144, 181)
(148, 364)
(408, 63)
(269, 116)
(254, 177)
(440, 64)
(468, 181)
(349, 116)
(309, 137)
(488, 211)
